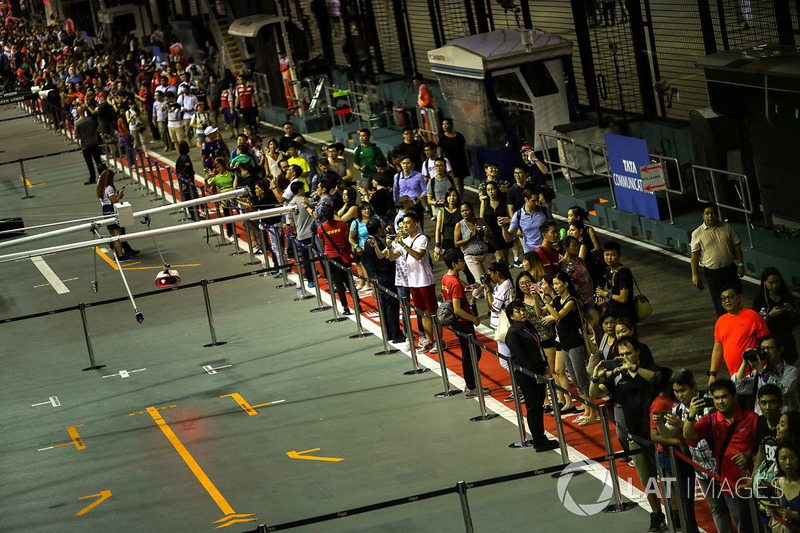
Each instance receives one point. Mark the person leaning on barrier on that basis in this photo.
(732, 432)
(526, 353)
(661, 407)
(302, 221)
(453, 290)
(413, 246)
(631, 394)
(333, 235)
(185, 171)
(684, 388)
(384, 271)
(776, 372)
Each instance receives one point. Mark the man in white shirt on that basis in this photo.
(188, 102)
(413, 245)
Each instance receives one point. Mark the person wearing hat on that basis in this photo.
(213, 147)
(538, 168)
(199, 122)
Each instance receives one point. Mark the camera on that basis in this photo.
(611, 364)
(485, 279)
(168, 278)
(753, 354)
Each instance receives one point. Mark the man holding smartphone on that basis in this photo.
(630, 390)
(732, 432)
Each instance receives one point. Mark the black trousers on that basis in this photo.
(467, 328)
(534, 394)
(338, 280)
(92, 153)
(389, 305)
(718, 278)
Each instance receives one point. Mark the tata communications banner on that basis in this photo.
(626, 156)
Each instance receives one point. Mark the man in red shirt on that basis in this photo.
(453, 290)
(225, 99)
(547, 251)
(732, 433)
(247, 101)
(739, 329)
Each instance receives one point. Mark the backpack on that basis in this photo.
(445, 314)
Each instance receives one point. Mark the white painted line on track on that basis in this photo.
(49, 275)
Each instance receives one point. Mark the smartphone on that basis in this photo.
(708, 402)
(612, 364)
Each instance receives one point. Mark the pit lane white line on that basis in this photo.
(49, 275)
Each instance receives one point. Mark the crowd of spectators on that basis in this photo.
(568, 312)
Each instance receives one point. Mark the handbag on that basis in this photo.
(348, 257)
(502, 326)
(642, 305)
(587, 331)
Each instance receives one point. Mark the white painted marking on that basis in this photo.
(48, 448)
(211, 370)
(124, 373)
(49, 275)
(52, 401)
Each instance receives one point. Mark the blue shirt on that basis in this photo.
(528, 224)
(413, 186)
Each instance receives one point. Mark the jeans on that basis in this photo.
(740, 512)
(719, 509)
(576, 366)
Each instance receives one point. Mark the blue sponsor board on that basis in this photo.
(626, 155)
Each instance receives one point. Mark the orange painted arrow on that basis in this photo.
(103, 496)
(234, 518)
(299, 455)
(603, 200)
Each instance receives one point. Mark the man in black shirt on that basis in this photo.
(384, 270)
(631, 394)
(411, 147)
(618, 293)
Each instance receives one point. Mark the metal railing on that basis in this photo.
(669, 165)
(742, 187)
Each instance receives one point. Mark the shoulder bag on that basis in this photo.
(348, 258)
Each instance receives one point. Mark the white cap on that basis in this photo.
(209, 130)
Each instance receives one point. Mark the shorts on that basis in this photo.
(215, 105)
(226, 115)
(425, 298)
(548, 343)
(107, 211)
